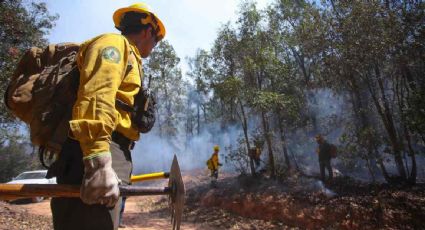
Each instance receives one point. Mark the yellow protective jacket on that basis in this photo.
(257, 153)
(214, 161)
(103, 62)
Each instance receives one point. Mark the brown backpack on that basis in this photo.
(42, 92)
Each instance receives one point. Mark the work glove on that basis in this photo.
(100, 182)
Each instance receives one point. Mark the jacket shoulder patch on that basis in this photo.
(111, 54)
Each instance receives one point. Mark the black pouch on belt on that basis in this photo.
(143, 111)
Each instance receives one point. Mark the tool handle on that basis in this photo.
(128, 190)
(150, 176)
(9, 191)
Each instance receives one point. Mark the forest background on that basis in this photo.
(350, 70)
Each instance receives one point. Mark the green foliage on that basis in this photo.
(266, 69)
(15, 154)
(354, 144)
(168, 85)
(236, 155)
(229, 90)
(201, 70)
(267, 101)
(23, 24)
(415, 113)
(15, 160)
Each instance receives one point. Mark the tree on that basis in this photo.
(366, 49)
(268, 71)
(201, 72)
(16, 155)
(23, 24)
(166, 81)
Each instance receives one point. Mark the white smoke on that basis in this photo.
(153, 153)
(328, 114)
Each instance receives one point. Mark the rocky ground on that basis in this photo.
(259, 203)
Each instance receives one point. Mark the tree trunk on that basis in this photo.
(245, 132)
(205, 114)
(198, 117)
(369, 167)
(269, 144)
(386, 117)
(361, 116)
(158, 121)
(413, 173)
(284, 145)
(391, 130)
(384, 170)
(406, 132)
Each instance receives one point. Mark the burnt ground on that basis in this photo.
(240, 202)
(308, 204)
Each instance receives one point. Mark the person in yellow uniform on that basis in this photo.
(255, 156)
(213, 164)
(324, 154)
(97, 153)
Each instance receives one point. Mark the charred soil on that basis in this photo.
(243, 202)
(307, 203)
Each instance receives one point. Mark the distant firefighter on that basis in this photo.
(213, 163)
(255, 154)
(326, 152)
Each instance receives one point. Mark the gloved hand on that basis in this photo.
(100, 182)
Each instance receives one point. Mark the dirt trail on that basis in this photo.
(139, 214)
(142, 213)
(257, 203)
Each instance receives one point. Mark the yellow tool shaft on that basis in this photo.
(150, 176)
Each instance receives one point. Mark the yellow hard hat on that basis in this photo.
(319, 137)
(216, 148)
(141, 8)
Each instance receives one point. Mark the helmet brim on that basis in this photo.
(120, 12)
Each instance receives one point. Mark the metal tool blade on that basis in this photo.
(177, 196)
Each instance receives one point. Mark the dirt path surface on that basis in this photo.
(25, 216)
(257, 203)
(149, 213)
(140, 213)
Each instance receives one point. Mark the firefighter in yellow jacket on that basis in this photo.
(254, 155)
(213, 163)
(97, 152)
